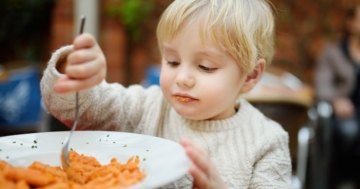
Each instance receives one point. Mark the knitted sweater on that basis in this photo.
(248, 149)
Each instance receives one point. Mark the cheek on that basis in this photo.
(212, 91)
(219, 91)
(226, 81)
(223, 88)
(165, 80)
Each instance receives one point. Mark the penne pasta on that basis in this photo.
(86, 173)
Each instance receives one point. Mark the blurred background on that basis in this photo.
(30, 30)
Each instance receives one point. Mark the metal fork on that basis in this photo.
(65, 161)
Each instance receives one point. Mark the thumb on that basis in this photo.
(59, 85)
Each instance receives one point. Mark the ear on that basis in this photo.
(252, 79)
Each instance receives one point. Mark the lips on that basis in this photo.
(184, 98)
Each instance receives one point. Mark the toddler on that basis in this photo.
(212, 51)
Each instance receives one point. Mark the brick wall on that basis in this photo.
(112, 38)
(303, 27)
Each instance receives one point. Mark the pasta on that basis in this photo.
(86, 173)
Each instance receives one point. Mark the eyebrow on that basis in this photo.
(210, 53)
(202, 52)
(168, 48)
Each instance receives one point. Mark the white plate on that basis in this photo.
(164, 161)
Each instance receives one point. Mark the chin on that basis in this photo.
(190, 115)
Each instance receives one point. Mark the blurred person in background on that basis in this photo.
(337, 81)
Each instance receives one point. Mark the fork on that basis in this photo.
(65, 161)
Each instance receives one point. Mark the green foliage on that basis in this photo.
(133, 14)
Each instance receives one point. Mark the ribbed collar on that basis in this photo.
(244, 111)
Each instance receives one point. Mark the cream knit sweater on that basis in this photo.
(249, 150)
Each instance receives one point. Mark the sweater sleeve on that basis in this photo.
(324, 77)
(104, 107)
(272, 169)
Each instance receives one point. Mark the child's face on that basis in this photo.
(200, 82)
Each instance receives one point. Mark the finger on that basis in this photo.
(62, 78)
(68, 85)
(200, 159)
(84, 41)
(59, 85)
(81, 56)
(198, 156)
(83, 71)
(185, 142)
(200, 179)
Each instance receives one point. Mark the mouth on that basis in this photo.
(184, 98)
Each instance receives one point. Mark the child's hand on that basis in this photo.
(84, 68)
(205, 174)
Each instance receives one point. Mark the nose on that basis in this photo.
(185, 78)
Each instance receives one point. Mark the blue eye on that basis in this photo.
(174, 63)
(207, 69)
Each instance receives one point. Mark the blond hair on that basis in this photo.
(244, 28)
